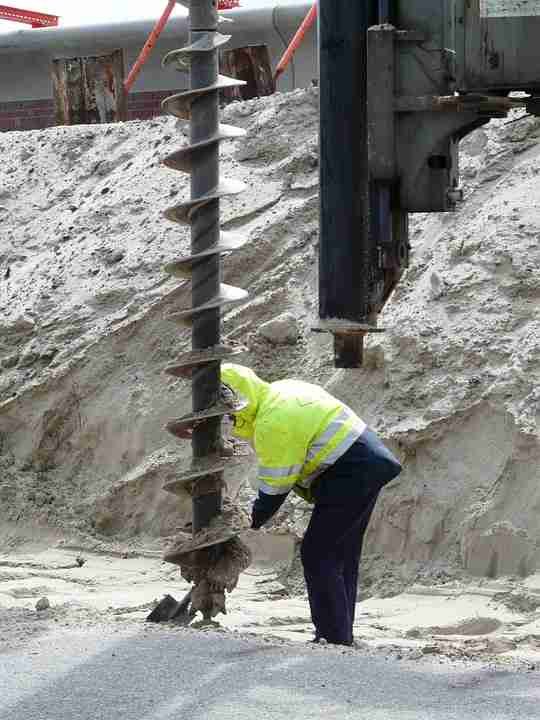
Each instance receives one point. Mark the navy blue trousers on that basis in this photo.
(345, 496)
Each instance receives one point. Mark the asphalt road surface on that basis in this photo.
(167, 674)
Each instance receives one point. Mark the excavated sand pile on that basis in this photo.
(459, 372)
(84, 336)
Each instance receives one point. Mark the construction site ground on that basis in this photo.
(484, 622)
(135, 673)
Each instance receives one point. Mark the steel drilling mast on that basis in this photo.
(401, 83)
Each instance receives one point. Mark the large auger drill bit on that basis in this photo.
(213, 558)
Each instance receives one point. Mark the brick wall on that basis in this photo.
(144, 105)
(37, 114)
(26, 115)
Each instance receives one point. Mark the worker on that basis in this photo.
(310, 442)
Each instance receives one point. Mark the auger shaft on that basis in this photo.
(213, 558)
(206, 273)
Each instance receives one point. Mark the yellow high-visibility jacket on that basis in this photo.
(297, 429)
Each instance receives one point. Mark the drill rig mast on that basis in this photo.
(401, 83)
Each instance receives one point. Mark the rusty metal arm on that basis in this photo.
(471, 102)
(297, 40)
(28, 17)
(149, 46)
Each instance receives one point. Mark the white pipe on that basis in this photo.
(285, 18)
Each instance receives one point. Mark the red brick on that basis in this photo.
(34, 114)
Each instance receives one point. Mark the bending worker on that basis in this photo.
(311, 443)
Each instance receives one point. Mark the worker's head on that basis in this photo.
(247, 387)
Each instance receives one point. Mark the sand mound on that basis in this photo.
(84, 335)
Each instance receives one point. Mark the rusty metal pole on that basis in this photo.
(149, 45)
(295, 43)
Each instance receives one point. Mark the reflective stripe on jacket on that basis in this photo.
(297, 429)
